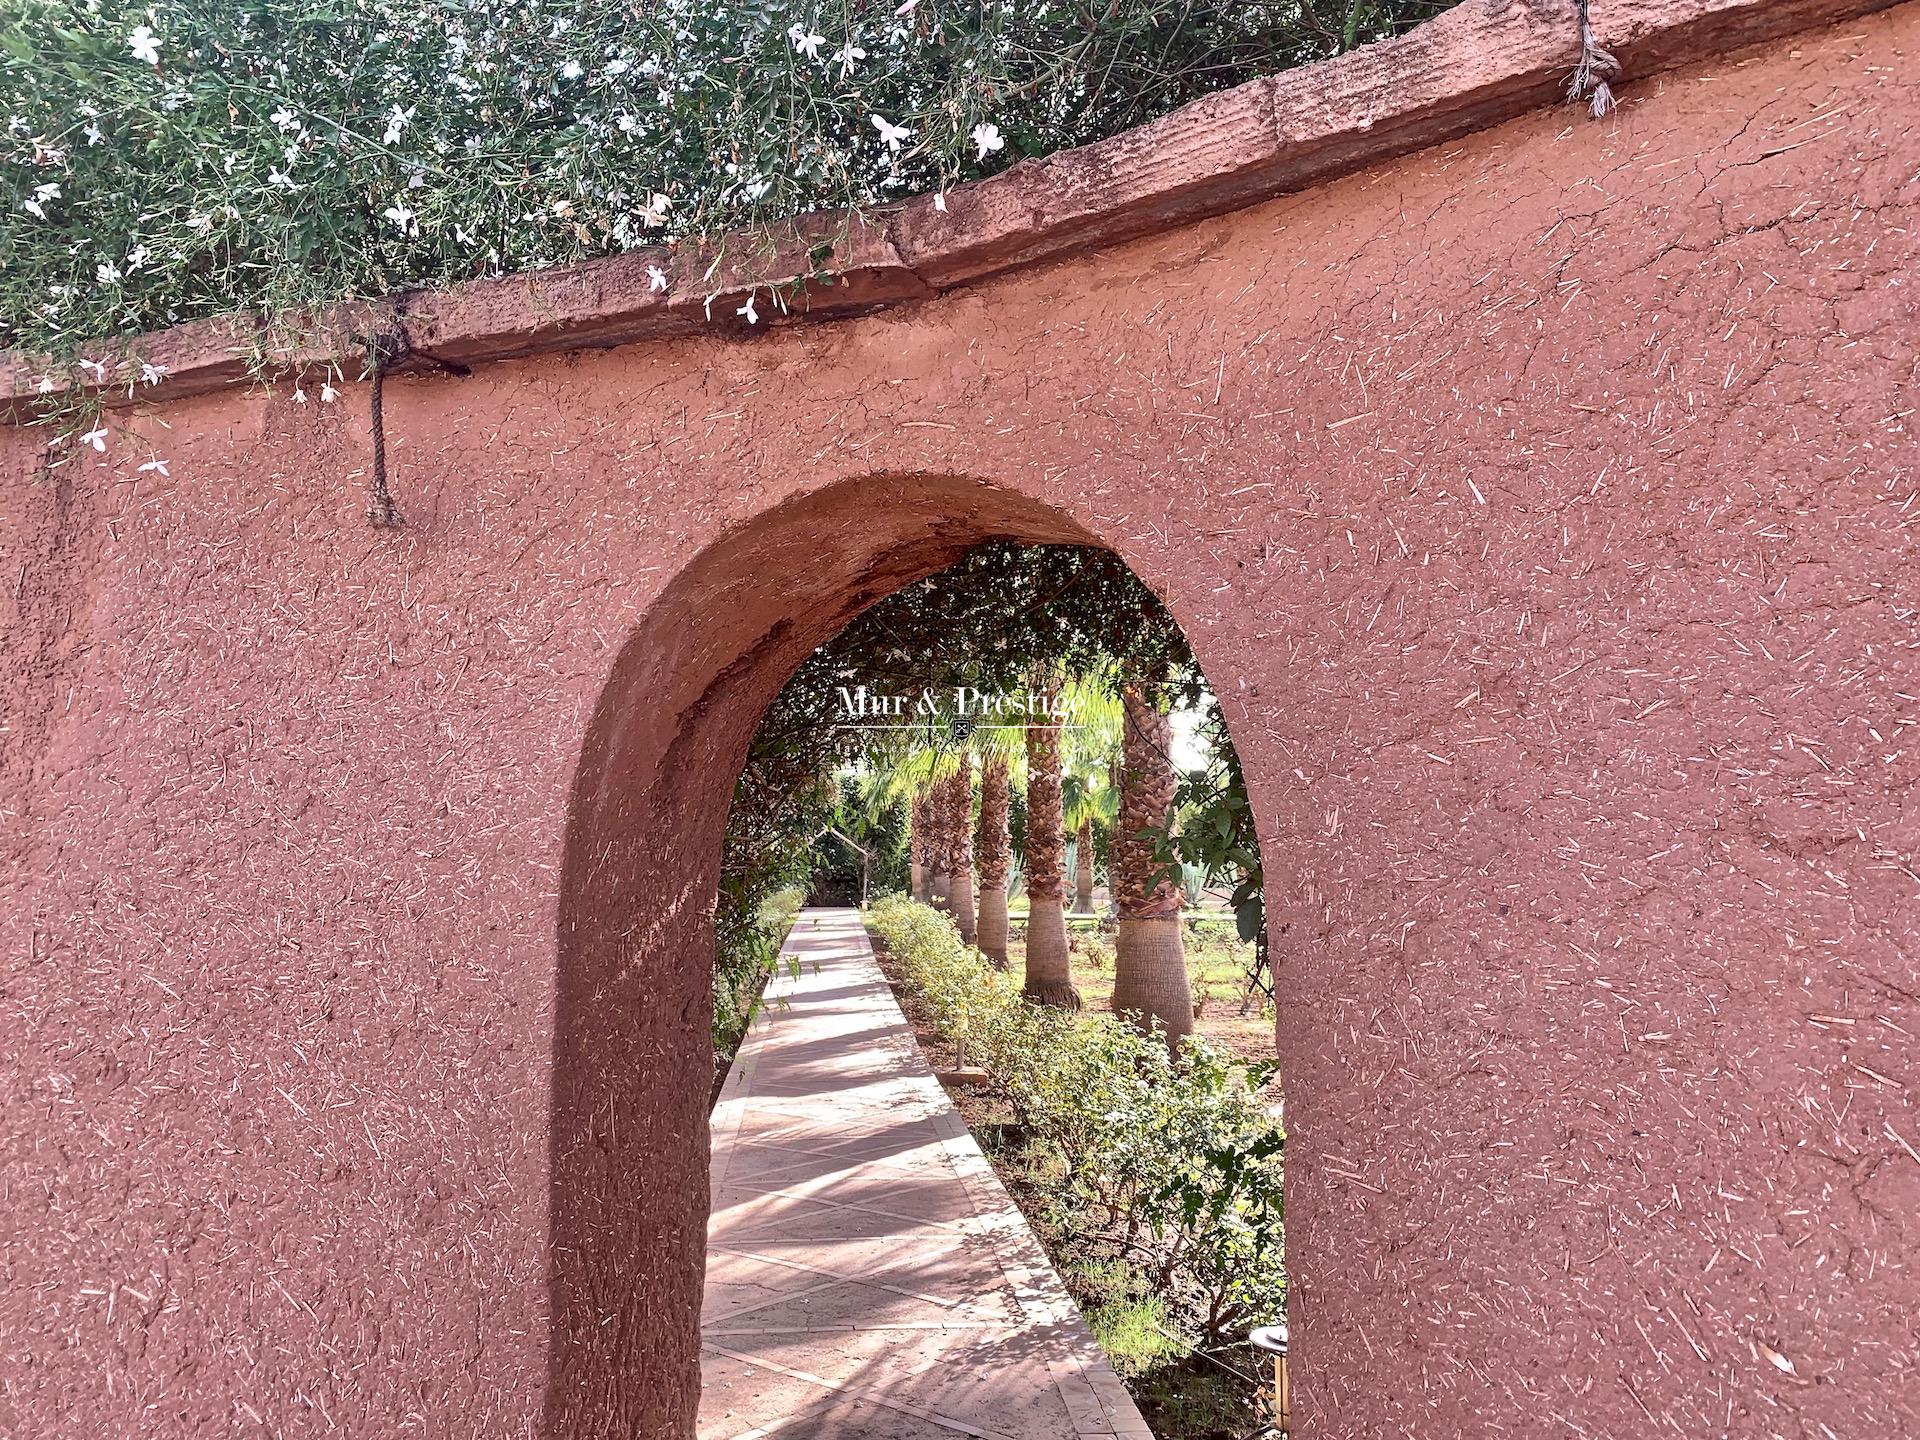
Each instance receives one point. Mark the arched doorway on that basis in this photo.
(629, 1153)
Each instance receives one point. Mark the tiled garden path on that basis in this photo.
(867, 1276)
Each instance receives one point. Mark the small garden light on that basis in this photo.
(1272, 1340)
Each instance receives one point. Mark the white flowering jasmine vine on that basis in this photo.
(168, 160)
(891, 135)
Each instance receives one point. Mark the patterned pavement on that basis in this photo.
(867, 1276)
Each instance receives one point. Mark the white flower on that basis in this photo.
(327, 393)
(987, 139)
(940, 202)
(107, 273)
(92, 132)
(656, 280)
(151, 374)
(299, 396)
(570, 70)
(96, 438)
(34, 208)
(137, 257)
(144, 45)
(806, 44)
(280, 180)
(889, 132)
(200, 224)
(397, 121)
(654, 212)
(403, 217)
(95, 368)
(618, 67)
(46, 384)
(627, 123)
(753, 315)
(286, 119)
(155, 464)
(847, 55)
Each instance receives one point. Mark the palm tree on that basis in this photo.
(919, 837)
(1086, 797)
(1088, 787)
(959, 836)
(996, 858)
(1150, 981)
(1083, 866)
(1049, 979)
(938, 848)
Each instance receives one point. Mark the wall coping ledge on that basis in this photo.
(1469, 68)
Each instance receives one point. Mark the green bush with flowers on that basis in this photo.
(177, 159)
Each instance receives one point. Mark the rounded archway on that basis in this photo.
(629, 1150)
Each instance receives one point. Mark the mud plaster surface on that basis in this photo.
(1543, 507)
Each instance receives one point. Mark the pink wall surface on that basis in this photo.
(1542, 506)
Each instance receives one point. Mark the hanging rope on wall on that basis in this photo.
(382, 350)
(1597, 66)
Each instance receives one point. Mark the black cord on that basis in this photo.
(382, 513)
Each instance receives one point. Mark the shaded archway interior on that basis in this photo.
(629, 1152)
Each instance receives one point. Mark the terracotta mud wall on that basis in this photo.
(1543, 507)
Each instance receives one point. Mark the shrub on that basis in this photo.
(1173, 1161)
(778, 909)
(744, 955)
(163, 160)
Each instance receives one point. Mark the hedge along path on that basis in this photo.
(866, 1272)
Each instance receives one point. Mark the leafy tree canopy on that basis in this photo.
(177, 159)
(993, 620)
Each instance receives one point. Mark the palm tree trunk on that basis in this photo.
(1083, 868)
(996, 860)
(960, 847)
(917, 844)
(1049, 978)
(1150, 983)
(938, 862)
